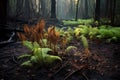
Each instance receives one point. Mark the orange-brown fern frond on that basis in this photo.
(34, 33)
(40, 26)
(64, 41)
(87, 52)
(26, 28)
(57, 34)
(49, 30)
(21, 36)
(53, 37)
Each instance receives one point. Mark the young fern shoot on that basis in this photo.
(86, 46)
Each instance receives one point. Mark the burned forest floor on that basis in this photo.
(104, 63)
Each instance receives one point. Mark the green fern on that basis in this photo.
(27, 63)
(24, 56)
(93, 32)
(109, 33)
(82, 30)
(39, 55)
(28, 44)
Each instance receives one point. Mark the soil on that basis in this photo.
(104, 63)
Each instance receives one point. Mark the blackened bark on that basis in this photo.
(113, 12)
(76, 16)
(110, 9)
(53, 8)
(86, 9)
(3, 11)
(107, 8)
(43, 8)
(97, 11)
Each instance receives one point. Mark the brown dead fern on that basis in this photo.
(53, 37)
(36, 34)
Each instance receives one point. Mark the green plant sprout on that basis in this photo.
(39, 55)
(69, 48)
(86, 46)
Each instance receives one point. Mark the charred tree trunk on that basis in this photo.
(3, 11)
(86, 9)
(43, 8)
(113, 6)
(107, 8)
(19, 9)
(76, 16)
(97, 11)
(53, 8)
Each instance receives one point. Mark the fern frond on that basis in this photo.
(27, 63)
(28, 44)
(70, 48)
(24, 56)
(84, 41)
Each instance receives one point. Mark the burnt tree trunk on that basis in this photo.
(107, 8)
(97, 11)
(86, 9)
(3, 11)
(113, 6)
(76, 16)
(53, 8)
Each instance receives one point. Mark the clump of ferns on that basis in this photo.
(38, 56)
(84, 41)
(33, 33)
(109, 33)
(66, 36)
(39, 42)
(81, 30)
(105, 33)
(37, 33)
(53, 38)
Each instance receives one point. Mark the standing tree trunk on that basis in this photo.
(76, 16)
(43, 8)
(53, 8)
(113, 7)
(27, 13)
(86, 9)
(19, 9)
(97, 11)
(3, 11)
(107, 6)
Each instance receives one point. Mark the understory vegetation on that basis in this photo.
(46, 43)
